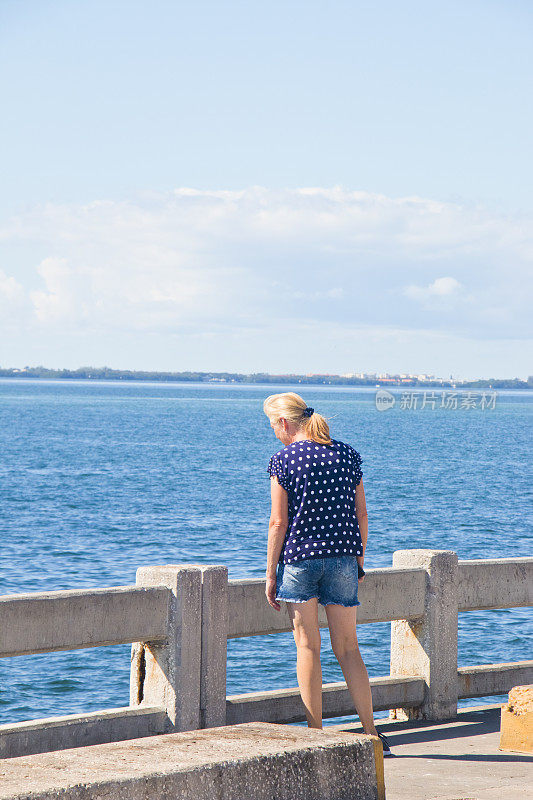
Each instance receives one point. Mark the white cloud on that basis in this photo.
(62, 298)
(441, 287)
(10, 289)
(200, 263)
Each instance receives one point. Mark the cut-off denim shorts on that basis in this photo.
(331, 580)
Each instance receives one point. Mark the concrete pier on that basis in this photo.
(179, 618)
(458, 758)
(252, 761)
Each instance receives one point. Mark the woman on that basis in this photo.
(316, 539)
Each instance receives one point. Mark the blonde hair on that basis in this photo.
(291, 406)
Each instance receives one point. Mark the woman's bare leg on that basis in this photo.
(342, 622)
(304, 619)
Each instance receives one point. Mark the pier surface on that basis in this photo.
(457, 760)
(250, 761)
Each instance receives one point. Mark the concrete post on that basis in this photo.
(214, 645)
(167, 673)
(428, 647)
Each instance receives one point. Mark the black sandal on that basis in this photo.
(386, 746)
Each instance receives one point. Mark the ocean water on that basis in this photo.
(99, 478)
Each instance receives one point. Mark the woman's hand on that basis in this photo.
(270, 591)
(361, 561)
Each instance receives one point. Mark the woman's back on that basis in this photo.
(320, 480)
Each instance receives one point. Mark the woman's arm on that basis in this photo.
(362, 517)
(277, 528)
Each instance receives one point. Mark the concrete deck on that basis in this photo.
(251, 761)
(457, 760)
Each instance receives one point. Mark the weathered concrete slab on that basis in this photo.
(385, 594)
(80, 730)
(495, 583)
(428, 647)
(484, 680)
(455, 759)
(167, 673)
(253, 761)
(76, 618)
(285, 705)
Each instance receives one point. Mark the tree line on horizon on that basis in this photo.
(107, 373)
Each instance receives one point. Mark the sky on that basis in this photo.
(278, 187)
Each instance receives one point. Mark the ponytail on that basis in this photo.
(317, 429)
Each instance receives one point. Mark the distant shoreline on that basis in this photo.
(232, 379)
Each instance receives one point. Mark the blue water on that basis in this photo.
(98, 478)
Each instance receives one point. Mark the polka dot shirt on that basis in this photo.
(320, 481)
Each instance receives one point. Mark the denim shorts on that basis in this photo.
(331, 580)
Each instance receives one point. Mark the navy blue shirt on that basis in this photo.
(320, 480)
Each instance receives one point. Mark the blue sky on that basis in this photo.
(294, 186)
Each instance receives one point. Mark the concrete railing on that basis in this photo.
(180, 617)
